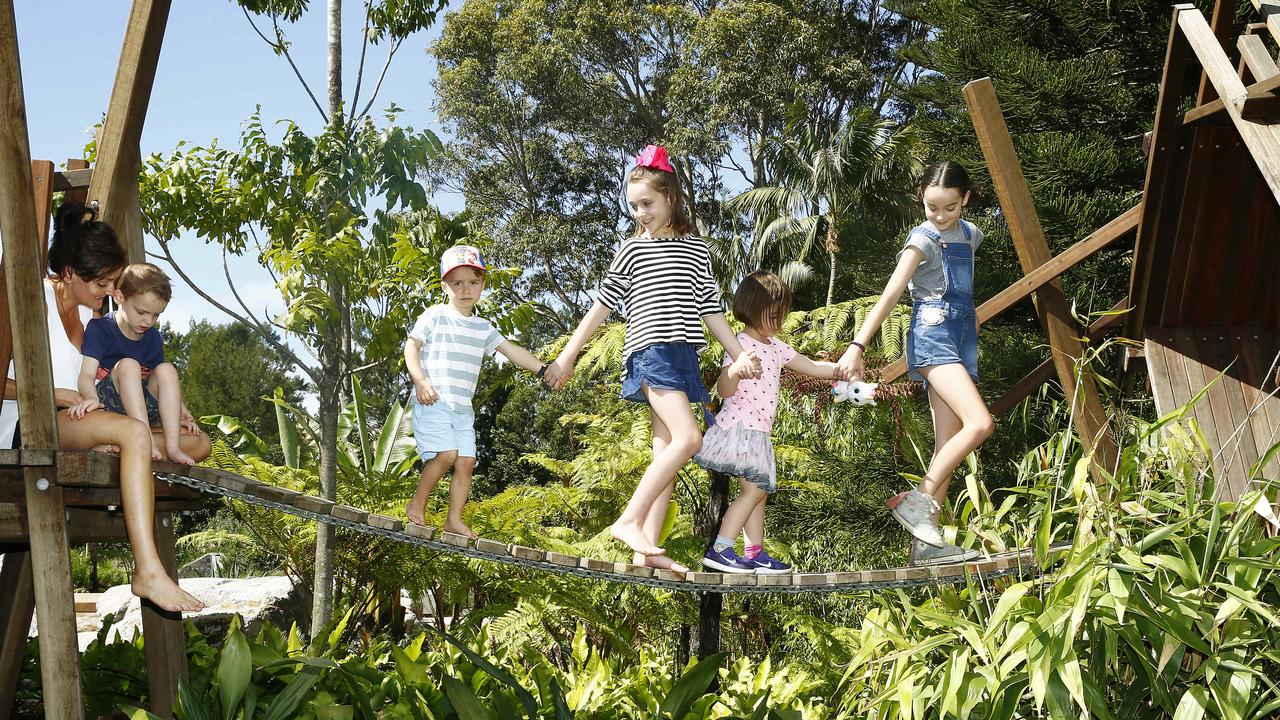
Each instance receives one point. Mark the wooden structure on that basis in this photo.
(1205, 289)
(1204, 298)
(50, 498)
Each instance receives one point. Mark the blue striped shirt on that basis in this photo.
(453, 348)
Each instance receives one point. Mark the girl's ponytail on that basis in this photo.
(82, 244)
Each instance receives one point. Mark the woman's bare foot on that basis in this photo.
(106, 448)
(459, 528)
(665, 563)
(633, 536)
(157, 452)
(164, 592)
(177, 456)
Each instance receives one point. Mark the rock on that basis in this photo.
(253, 599)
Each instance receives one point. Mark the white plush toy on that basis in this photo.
(859, 393)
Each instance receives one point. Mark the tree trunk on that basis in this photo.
(322, 599)
(706, 637)
(335, 60)
(831, 279)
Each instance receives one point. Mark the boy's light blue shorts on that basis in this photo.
(439, 428)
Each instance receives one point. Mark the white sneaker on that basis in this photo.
(924, 554)
(914, 510)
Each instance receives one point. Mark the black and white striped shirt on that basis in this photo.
(663, 287)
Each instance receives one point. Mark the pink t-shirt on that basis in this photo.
(756, 402)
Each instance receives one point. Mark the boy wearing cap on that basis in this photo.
(443, 354)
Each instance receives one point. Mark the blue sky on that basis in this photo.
(214, 70)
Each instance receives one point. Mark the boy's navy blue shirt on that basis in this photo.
(104, 341)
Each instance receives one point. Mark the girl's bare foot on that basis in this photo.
(665, 563)
(415, 514)
(160, 589)
(459, 528)
(177, 456)
(633, 536)
(106, 448)
(157, 452)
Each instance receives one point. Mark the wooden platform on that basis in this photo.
(1238, 415)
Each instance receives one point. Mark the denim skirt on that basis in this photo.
(942, 333)
(664, 366)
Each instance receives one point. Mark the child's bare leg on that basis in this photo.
(127, 377)
(960, 416)
(671, 407)
(137, 494)
(753, 528)
(652, 525)
(164, 378)
(432, 471)
(459, 488)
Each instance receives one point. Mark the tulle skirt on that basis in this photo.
(740, 451)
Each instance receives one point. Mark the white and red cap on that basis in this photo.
(460, 256)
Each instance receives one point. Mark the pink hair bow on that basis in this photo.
(655, 157)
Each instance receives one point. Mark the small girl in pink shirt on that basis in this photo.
(739, 442)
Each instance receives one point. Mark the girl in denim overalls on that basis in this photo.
(936, 263)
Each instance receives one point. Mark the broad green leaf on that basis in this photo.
(690, 686)
(234, 668)
(284, 704)
(464, 701)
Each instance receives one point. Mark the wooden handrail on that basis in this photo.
(1102, 237)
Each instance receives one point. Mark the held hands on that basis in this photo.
(559, 372)
(746, 367)
(850, 368)
(425, 393)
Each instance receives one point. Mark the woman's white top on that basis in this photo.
(66, 361)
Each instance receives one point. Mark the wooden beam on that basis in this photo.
(77, 192)
(119, 158)
(1263, 141)
(1255, 56)
(70, 179)
(1044, 371)
(1120, 226)
(166, 646)
(1224, 17)
(1214, 112)
(15, 620)
(50, 563)
(1033, 251)
(1260, 108)
(84, 526)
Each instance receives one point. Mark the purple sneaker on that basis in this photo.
(766, 565)
(727, 561)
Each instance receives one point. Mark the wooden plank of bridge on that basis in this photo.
(50, 562)
(15, 620)
(115, 177)
(1033, 251)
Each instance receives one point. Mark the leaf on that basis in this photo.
(1192, 705)
(138, 713)
(284, 704)
(290, 443)
(690, 686)
(191, 707)
(234, 668)
(526, 698)
(464, 701)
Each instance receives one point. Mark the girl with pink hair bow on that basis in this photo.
(662, 283)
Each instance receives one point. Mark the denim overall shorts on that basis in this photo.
(945, 330)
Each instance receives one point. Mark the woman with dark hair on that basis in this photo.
(85, 258)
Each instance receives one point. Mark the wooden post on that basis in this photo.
(15, 619)
(118, 155)
(166, 645)
(50, 563)
(1033, 251)
(1224, 20)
